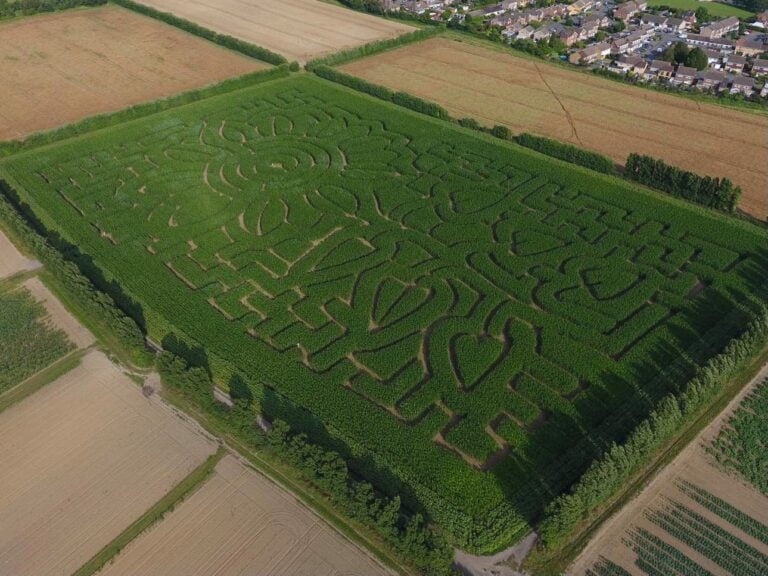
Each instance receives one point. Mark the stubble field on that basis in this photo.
(298, 29)
(241, 523)
(496, 87)
(481, 319)
(63, 67)
(82, 459)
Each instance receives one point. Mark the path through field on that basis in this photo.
(59, 316)
(11, 260)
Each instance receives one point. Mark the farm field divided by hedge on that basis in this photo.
(477, 320)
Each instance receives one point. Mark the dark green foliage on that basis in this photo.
(742, 446)
(221, 39)
(470, 123)
(605, 567)
(501, 132)
(27, 342)
(567, 152)
(11, 8)
(373, 48)
(718, 193)
(381, 279)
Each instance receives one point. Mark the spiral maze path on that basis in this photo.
(422, 274)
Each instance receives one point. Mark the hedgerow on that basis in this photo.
(373, 48)
(12, 8)
(392, 286)
(719, 193)
(221, 39)
(28, 343)
(567, 152)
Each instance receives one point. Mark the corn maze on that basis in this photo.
(478, 320)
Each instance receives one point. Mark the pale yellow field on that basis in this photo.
(82, 459)
(59, 68)
(298, 29)
(58, 315)
(239, 523)
(11, 260)
(497, 87)
(693, 465)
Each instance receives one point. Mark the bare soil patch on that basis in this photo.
(693, 465)
(59, 316)
(82, 459)
(238, 522)
(11, 260)
(63, 67)
(500, 88)
(298, 29)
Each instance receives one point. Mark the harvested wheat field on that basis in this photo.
(298, 29)
(59, 316)
(62, 67)
(11, 260)
(692, 513)
(240, 523)
(496, 87)
(82, 459)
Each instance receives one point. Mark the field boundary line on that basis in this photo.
(166, 504)
(40, 379)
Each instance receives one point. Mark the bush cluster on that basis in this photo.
(719, 193)
(620, 462)
(566, 152)
(221, 39)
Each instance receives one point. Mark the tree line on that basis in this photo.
(719, 193)
(11, 8)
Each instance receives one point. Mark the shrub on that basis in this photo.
(572, 154)
(501, 132)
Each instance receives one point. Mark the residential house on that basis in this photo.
(543, 33)
(712, 80)
(759, 67)
(743, 85)
(689, 16)
(568, 36)
(659, 69)
(764, 91)
(713, 58)
(749, 47)
(655, 20)
(734, 63)
(720, 28)
(526, 33)
(590, 54)
(633, 64)
(721, 44)
(581, 6)
(676, 24)
(625, 11)
(684, 75)
(763, 19)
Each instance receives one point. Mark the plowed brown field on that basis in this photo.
(240, 523)
(82, 459)
(62, 67)
(298, 29)
(497, 87)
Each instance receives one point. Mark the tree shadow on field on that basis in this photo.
(194, 356)
(84, 262)
(562, 449)
(362, 466)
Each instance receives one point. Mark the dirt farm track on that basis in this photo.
(298, 29)
(497, 87)
(62, 67)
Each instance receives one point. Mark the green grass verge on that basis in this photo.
(34, 383)
(554, 562)
(717, 9)
(165, 505)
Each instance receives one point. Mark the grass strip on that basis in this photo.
(166, 504)
(42, 378)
